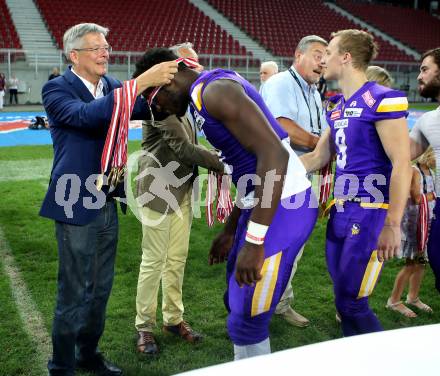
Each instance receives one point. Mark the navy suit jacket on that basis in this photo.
(78, 126)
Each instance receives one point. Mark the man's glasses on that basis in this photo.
(96, 50)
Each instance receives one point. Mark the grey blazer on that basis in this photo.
(171, 146)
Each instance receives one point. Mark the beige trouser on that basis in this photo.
(287, 297)
(164, 253)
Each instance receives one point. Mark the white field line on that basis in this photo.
(30, 316)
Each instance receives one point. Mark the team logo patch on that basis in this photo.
(330, 106)
(353, 112)
(343, 123)
(368, 98)
(199, 120)
(353, 104)
(335, 115)
(355, 229)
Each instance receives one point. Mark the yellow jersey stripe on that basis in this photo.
(196, 96)
(393, 104)
(264, 288)
(392, 108)
(370, 276)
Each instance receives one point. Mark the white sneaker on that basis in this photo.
(294, 318)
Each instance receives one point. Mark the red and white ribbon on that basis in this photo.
(210, 198)
(422, 224)
(222, 184)
(224, 201)
(188, 61)
(325, 183)
(115, 147)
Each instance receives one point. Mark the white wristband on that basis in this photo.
(256, 233)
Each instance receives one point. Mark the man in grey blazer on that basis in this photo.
(167, 223)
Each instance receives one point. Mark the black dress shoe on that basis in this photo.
(98, 366)
(146, 343)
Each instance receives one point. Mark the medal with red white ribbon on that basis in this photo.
(422, 224)
(115, 147)
(325, 184)
(222, 183)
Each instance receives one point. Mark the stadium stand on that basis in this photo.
(8, 34)
(137, 25)
(281, 25)
(415, 28)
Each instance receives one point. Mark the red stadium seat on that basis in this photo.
(8, 34)
(279, 25)
(424, 30)
(168, 22)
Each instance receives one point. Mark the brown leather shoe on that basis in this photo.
(146, 343)
(184, 331)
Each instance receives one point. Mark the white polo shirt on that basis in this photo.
(285, 98)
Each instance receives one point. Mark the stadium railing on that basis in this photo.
(34, 67)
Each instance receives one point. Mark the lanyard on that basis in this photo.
(318, 132)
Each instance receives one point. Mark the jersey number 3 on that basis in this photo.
(341, 158)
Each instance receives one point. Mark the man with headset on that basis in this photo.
(295, 102)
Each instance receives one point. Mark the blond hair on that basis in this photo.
(380, 75)
(360, 44)
(426, 156)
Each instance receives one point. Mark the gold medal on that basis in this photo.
(110, 176)
(121, 174)
(99, 182)
(114, 180)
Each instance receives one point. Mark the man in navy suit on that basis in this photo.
(79, 107)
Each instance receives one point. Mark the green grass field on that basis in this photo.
(426, 106)
(23, 180)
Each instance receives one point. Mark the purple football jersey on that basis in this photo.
(362, 167)
(242, 161)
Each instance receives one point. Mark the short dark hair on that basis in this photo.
(435, 53)
(153, 57)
